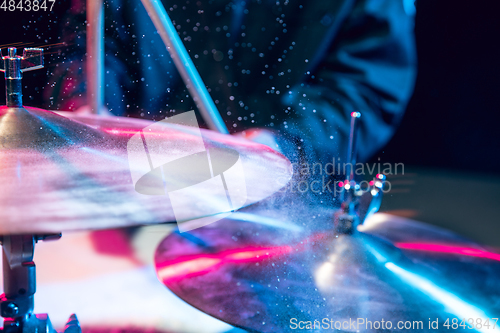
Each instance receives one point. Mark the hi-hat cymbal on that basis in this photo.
(395, 271)
(58, 174)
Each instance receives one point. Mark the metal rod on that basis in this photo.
(13, 76)
(19, 277)
(351, 150)
(95, 55)
(185, 65)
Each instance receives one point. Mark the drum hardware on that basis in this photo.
(17, 302)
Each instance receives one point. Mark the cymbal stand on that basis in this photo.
(357, 203)
(19, 274)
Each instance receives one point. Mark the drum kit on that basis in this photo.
(310, 269)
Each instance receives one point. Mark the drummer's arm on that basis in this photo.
(371, 68)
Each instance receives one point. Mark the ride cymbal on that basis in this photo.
(59, 174)
(393, 272)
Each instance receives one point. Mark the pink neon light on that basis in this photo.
(221, 139)
(466, 251)
(193, 265)
(204, 263)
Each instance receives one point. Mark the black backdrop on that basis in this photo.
(453, 118)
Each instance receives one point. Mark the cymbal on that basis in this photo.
(60, 174)
(273, 278)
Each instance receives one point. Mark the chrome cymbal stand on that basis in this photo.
(19, 280)
(357, 203)
(19, 272)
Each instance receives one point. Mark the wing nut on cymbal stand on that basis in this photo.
(13, 66)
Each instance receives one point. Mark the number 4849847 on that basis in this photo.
(27, 5)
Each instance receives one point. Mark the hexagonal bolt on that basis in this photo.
(9, 309)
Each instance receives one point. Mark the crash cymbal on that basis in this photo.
(59, 174)
(393, 273)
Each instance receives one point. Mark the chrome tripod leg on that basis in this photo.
(19, 279)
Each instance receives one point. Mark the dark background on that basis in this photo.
(453, 118)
